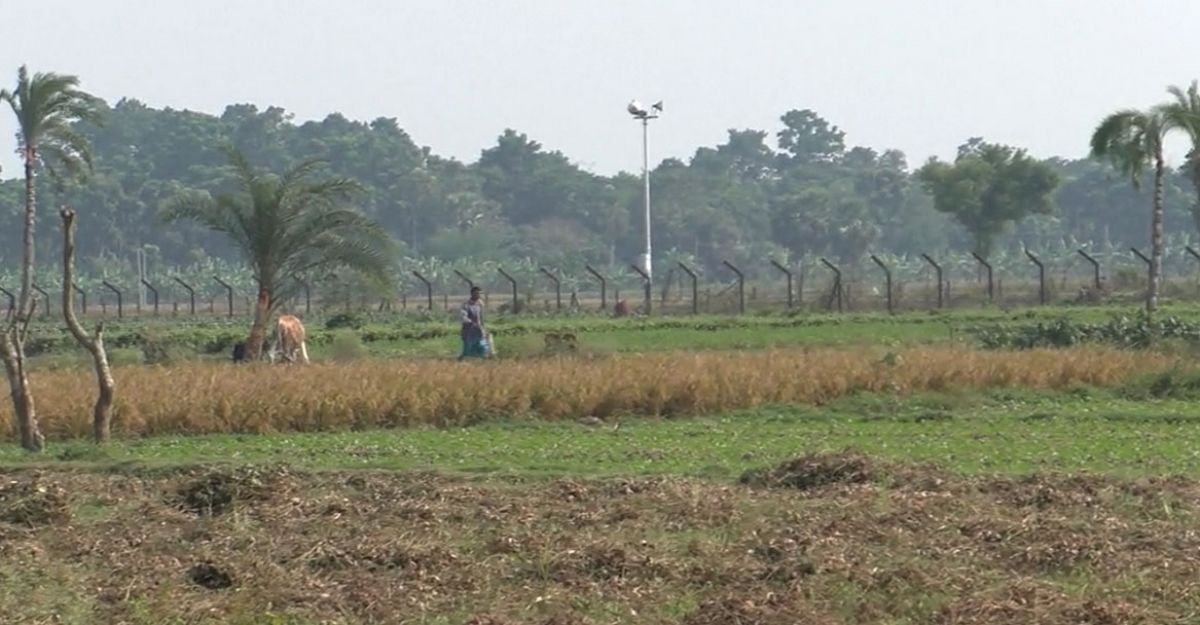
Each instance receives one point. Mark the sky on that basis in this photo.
(920, 75)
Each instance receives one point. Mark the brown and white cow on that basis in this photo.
(288, 340)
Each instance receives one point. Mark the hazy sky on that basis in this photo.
(918, 75)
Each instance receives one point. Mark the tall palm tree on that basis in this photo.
(47, 107)
(1183, 114)
(287, 226)
(1132, 140)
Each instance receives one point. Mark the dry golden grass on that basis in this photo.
(219, 398)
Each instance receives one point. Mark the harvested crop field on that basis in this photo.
(838, 538)
(210, 398)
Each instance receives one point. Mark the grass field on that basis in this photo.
(766, 470)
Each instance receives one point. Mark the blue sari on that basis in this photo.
(474, 339)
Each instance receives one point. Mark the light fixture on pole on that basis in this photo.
(640, 112)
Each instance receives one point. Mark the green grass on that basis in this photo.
(411, 336)
(1003, 431)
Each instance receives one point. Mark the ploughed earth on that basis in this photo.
(823, 539)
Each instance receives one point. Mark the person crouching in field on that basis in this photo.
(474, 337)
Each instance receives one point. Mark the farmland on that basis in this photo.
(976, 466)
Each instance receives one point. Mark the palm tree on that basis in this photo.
(1131, 140)
(288, 226)
(1184, 114)
(47, 107)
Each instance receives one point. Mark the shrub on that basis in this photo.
(345, 320)
(1138, 332)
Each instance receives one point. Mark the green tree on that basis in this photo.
(988, 187)
(1183, 114)
(1131, 140)
(47, 107)
(287, 226)
(808, 138)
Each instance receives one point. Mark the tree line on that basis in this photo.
(799, 191)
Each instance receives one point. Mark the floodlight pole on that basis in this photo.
(647, 262)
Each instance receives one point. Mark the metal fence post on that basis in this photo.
(428, 288)
(788, 273)
(228, 293)
(153, 291)
(991, 284)
(45, 296)
(835, 293)
(695, 289)
(1041, 276)
(557, 287)
(646, 283)
(603, 286)
(470, 283)
(1149, 265)
(120, 302)
(941, 291)
(1095, 268)
(82, 297)
(887, 274)
(741, 286)
(516, 302)
(191, 294)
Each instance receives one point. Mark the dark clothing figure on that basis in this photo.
(474, 338)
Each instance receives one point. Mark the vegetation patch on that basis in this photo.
(33, 502)
(217, 492)
(813, 471)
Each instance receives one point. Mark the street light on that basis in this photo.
(640, 112)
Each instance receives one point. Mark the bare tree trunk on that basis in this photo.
(258, 331)
(102, 414)
(12, 341)
(1156, 234)
(12, 352)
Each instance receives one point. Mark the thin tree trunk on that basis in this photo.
(102, 413)
(12, 352)
(258, 331)
(1156, 234)
(12, 343)
(25, 307)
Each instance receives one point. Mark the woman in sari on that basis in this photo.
(474, 337)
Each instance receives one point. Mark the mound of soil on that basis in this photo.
(33, 503)
(218, 491)
(207, 575)
(813, 471)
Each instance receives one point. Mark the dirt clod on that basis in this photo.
(207, 575)
(813, 471)
(217, 492)
(33, 503)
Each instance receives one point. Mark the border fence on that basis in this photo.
(896, 284)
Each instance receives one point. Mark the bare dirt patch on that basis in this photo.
(833, 539)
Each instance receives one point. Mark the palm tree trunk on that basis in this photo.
(258, 331)
(26, 309)
(1156, 234)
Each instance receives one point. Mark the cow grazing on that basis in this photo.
(289, 340)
